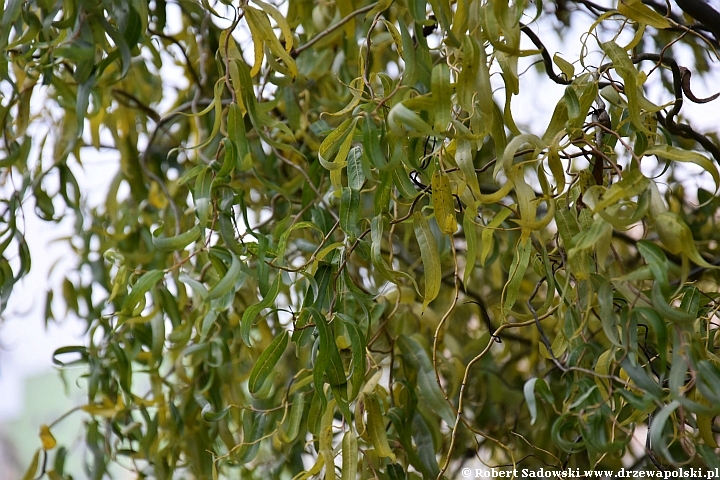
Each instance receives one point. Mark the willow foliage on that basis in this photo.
(331, 250)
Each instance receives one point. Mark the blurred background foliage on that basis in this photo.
(331, 251)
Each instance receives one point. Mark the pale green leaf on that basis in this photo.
(430, 257)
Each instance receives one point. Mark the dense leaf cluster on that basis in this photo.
(330, 249)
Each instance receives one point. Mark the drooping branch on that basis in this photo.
(686, 74)
(547, 60)
(668, 121)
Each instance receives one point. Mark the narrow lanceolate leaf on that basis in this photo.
(141, 287)
(226, 284)
(281, 22)
(404, 122)
(359, 361)
(625, 68)
(291, 427)
(381, 266)
(441, 92)
(267, 362)
(334, 370)
(657, 440)
(470, 231)
(350, 211)
(355, 173)
(253, 311)
(328, 363)
(636, 10)
(680, 155)
(177, 242)
(517, 272)
(32, 468)
(414, 354)
(331, 144)
(262, 32)
(529, 393)
(349, 455)
(464, 159)
(376, 427)
(443, 202)
(430, 257)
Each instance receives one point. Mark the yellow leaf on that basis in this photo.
(443, 203)
(46, 437)
(641, 13)
(430, 258)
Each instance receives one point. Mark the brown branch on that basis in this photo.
(547, 60)
(681, 129)
(686, 74)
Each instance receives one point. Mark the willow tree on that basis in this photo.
(330, 249)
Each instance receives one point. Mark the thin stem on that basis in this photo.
(297, 51)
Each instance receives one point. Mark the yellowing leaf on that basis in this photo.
(376, 427)
(263, 35)
(641, 13)
(430, 258)
(625, 68)
(443, 203)
(46, 437)
(403, 122)
(281, 22)
(32, 468)
(517, 273)
(349, 455)
(567, 68)
(680, 155)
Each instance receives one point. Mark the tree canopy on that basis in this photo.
(334, 247)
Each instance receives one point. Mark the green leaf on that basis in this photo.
(625, 68)
(356, 175)
(572, 103)
(657, 429)
(267, 362)
(141, 287)
(349, 455)
(430, 258)
(470, 231)
(249, 315)
(404, 122)
(228, 282)
(291, 428)
(517, 273)
(567, 68)
(464, 159)
(416, 358)
(680, 155)
(441, 92)
(177, 242)
(359, 361)
(607, 313)
(376, 427)
(350, 211)
(642, 379)
(376, 235)
(209, 416)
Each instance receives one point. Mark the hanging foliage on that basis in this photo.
(335, 246)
